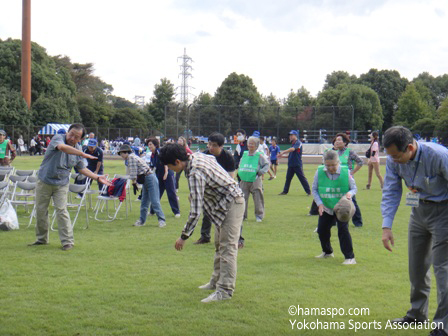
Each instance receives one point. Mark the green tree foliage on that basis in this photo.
(163, 95)
(129, 118)
(425, 127)
(53, 93)
(389, 86)
(338, 77)
(300, 98)
(411, 107)
(237, 90)
(240, 102)
(443, 109)
(13, 109)
(366, 104)
(441, 129)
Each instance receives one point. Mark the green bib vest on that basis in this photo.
(248, 168)
(331, 191)
(3, 147)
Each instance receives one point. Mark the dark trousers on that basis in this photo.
(207, 225)
(324, 225)
(169, 186)
(177, 179)
(297, 170)
(357, 218)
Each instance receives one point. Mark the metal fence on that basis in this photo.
(315, 124)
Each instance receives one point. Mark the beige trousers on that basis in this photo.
(226, 248)
(44, 193)
(256, 189)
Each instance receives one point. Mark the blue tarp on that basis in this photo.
(53, 128)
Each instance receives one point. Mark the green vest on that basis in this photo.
(331, 191)
(247, 171)
(3, 147)
(343, 159)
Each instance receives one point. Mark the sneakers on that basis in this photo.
(67, 247)
(258, 219)
(162, 223)
(351, 261)
(271, 178)
(324, 255)
(315, 230)
(177, 215)
(138, 223)
(216, 296)
(207, 286)
(201, 241)
(283, 193)
(368, 187)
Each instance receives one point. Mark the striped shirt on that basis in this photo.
(211, 189)
(136, 166)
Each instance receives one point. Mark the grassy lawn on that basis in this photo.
(125, 280)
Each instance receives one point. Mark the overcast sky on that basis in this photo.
(280, 44)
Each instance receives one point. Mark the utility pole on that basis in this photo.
(185, 75)
(26, 52)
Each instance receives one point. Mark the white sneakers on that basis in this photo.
(138, 223)
(325, 255)
(177, 215)
(258, 219)
(216, 296)
(207, 286)
(162, 224)
(351, 261)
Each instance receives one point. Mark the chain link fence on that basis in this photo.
(315, 124)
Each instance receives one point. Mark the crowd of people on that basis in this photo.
(222, 197)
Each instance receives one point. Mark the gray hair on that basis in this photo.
(399, 136)
(331, 155)
(254, 139)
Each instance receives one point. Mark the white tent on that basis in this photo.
(53, 128)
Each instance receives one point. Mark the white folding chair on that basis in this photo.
(3, 191)
(76, 189)
(28, 188)
(19, 172)
(103, 201)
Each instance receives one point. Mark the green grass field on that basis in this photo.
(125, 280)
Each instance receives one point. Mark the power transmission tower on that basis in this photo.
(140, 101)
(185, 75)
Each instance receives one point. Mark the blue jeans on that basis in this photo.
(150, 194)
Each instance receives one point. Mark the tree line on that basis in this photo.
(67, 92)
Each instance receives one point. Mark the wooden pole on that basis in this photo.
(26, 51)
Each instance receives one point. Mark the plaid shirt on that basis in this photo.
(211, 189)
(136, 166)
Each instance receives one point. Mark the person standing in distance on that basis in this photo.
(295, 165)
(424, 168)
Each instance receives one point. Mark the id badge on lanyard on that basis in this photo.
(413, 197)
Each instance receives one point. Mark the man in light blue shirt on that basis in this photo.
(424, 169)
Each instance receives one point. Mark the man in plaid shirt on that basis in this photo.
(213, 190)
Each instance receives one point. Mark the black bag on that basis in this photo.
(368, 152)
(141, 178)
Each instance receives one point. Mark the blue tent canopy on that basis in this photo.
(53, 128)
